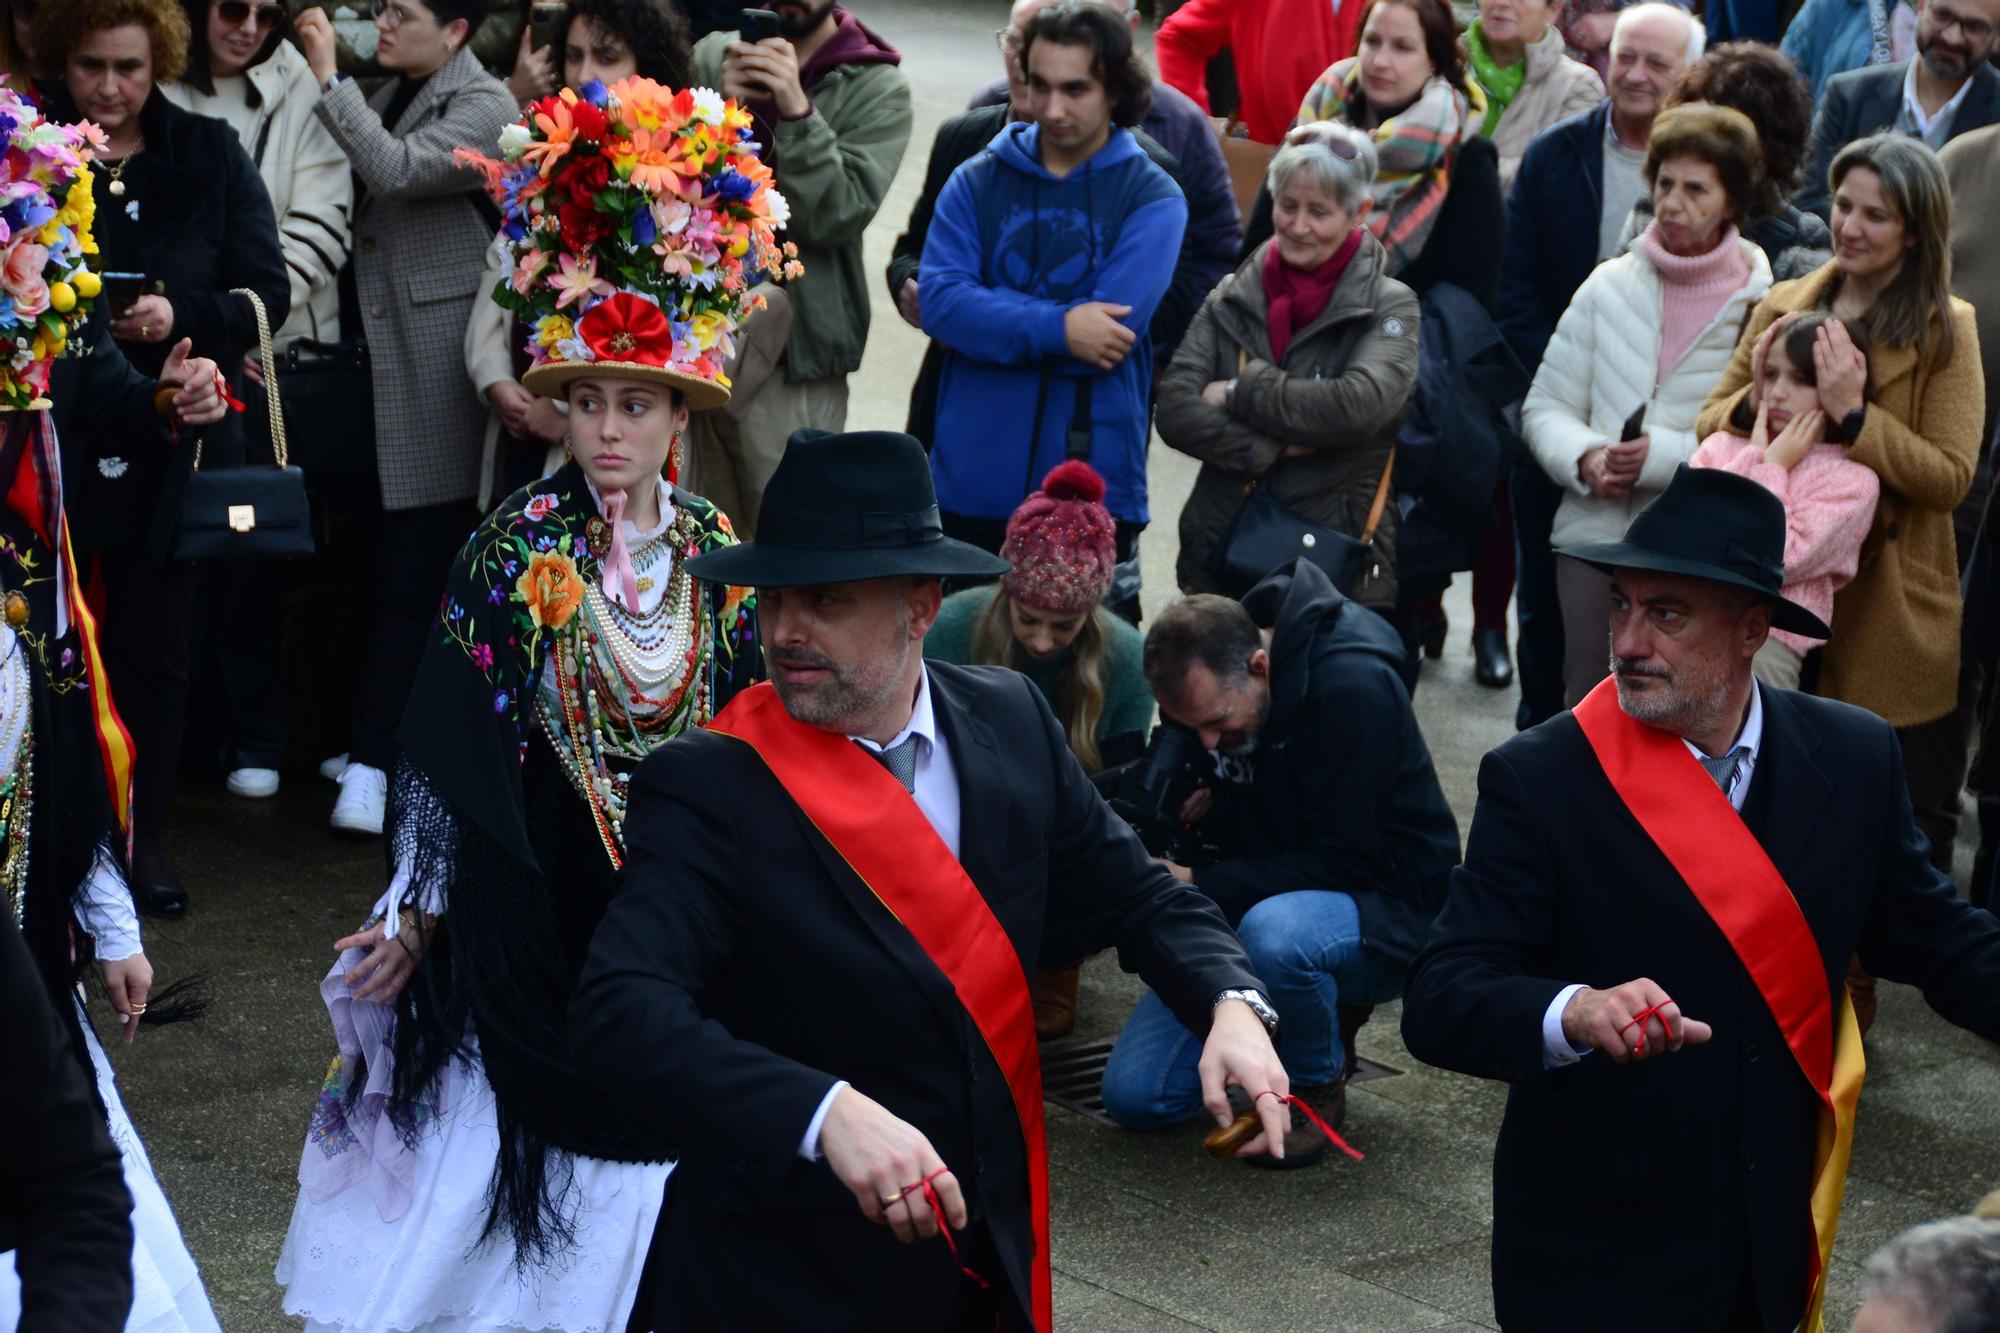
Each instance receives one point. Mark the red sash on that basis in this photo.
(1690, 820)
(886, 840)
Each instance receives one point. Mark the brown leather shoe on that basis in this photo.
(1304, 1144)
(1054, 994)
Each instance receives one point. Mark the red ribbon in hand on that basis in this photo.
(1332, 1134)
(1640, 1019)
(944, 1227)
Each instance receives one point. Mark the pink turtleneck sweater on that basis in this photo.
(1693, 290)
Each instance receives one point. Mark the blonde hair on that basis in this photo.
(1080, 687)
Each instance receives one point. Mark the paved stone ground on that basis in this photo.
(1149, 1234)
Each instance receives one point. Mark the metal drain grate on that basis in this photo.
(1073, 1076)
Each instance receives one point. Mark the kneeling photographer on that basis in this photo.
(1333, 849)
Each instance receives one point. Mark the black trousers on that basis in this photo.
(414, 549)
(1538, 637)
(148, 613)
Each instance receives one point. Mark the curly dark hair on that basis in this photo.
(1090, 23)
(1763, 83)
(656, 30)
(198, 75)
(60, 28)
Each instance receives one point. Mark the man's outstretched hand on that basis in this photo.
(1239, 1051)
(1608, 1021)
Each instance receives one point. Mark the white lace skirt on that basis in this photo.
(386, 1237)
(167, 1295)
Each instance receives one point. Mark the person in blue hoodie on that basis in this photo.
(1045, 260)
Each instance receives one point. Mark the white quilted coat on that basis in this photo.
(1600, 365)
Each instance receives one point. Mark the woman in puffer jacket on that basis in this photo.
(1613, 408)
(1299, 367)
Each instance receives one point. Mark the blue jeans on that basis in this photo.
(1306, 946)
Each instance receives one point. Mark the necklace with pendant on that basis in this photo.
(118, 172)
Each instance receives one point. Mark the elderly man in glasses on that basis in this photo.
(421, 227)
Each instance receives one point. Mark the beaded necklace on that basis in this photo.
(626, 681)
(17, 788)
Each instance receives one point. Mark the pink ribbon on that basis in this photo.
(619, 575)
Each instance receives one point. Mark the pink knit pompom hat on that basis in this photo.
(1062, 543)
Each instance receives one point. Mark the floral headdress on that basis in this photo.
(639, 219)
(46, 210)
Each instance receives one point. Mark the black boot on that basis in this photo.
(1489, 653)
(1430, 633)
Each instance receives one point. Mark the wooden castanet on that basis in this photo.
(1225, 1141)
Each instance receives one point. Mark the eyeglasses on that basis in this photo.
(1975, 30)
(1008, 41)
(234, 12)
(397, 15)
(1339, 145)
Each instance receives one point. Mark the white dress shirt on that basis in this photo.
(1933, 130)
(936, 794)
(1556, 1048)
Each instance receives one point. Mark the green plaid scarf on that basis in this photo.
(1415, 151)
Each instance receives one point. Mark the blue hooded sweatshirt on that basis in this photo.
(1011, 249)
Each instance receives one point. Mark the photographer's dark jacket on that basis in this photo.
(1344, 797)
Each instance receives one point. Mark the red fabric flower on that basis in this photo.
(591, 123)
(582, 227)
(585, 176)
(627, 328)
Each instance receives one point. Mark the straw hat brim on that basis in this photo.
(549, 380)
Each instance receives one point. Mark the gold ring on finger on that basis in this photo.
(138, 1008)
(897, 1197)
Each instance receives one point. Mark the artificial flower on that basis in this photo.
(577, 281)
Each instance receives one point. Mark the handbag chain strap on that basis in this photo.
(269, 360)
(1381, 500)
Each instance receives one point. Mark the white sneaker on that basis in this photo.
(331, 769)
(364, 792)
(256, 784)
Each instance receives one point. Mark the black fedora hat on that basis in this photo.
(1714, 525)
(846, 507)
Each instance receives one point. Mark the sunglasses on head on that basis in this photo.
(1339, 145)
(234, 12)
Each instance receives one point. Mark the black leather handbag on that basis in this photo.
(1266, 534)
(257, 511)
(329, 398)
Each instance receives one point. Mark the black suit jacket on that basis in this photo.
(742, 969)
(1867, 101)
(63, 1201)
(1700, 1161)
(1552, 216)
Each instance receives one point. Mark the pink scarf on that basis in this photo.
(621, 580)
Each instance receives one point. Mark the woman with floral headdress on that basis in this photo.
(453, 1176)
(65, 757)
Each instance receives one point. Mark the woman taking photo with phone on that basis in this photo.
(180, 204)
(421, 230)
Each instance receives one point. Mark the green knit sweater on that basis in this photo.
(1128, 704)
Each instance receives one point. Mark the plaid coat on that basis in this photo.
(419, 257)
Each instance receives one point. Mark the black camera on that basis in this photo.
(1147, 793)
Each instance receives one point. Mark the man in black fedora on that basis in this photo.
(814, 971)
(1649, 940)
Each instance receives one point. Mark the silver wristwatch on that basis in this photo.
(1258, 1006)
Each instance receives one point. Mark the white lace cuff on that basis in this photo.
(430, 902)
(105, 908)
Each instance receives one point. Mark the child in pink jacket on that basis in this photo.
(1797, 454)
